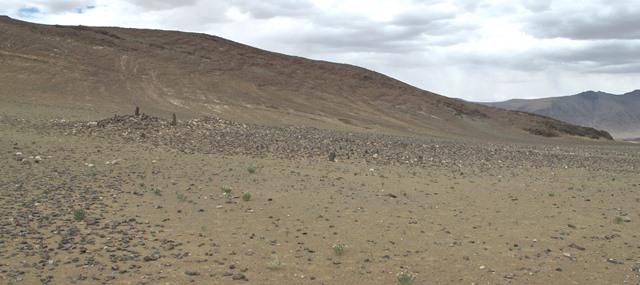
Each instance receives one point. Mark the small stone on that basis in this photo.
(152, 257)
(191, 273)
(91, 221)
(613, 261)
(573, 245)
(238, 276)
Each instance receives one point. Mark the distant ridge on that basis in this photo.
(617, 114)
(115, 69)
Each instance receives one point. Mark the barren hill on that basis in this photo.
(617, 114)
(115, 69)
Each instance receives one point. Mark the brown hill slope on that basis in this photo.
(617, 114)
(115, 69)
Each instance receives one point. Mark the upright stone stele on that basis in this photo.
(174, 122)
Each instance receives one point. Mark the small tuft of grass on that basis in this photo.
(339, 248)
(157, 192)
(246, 196)
(226, 192)
(181, 197)
(405, 278)
(618, 220)
(251, 170)
(551, 194)
(275, 264)
(79, 215)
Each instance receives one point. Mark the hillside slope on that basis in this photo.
(115, 69)
(617, 114)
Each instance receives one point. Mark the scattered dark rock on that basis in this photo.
(636, 268)
(573, 245)
(238, 276)
(91, 221)
(153, 257)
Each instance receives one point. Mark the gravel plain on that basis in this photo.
(134, 200)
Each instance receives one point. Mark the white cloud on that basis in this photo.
(476, 50)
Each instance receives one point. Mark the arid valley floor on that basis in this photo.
(446, 212)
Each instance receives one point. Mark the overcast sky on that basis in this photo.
(484, 50)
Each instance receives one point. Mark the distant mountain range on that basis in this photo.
(617, 114)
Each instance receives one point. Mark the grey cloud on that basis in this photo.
(598, 56)
(275, 8)
(420, 29)
(359, 39)
(627, 68)
(163, 4)
(62, 6)
(385, 39)
(467, 5)
(426, 20)
(536, 6)
(614, 20)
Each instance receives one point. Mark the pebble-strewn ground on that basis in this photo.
(133, 200)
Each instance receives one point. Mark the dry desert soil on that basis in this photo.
(91, 198)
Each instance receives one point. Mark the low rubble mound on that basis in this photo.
(211, 135)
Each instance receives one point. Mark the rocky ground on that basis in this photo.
(135, 200)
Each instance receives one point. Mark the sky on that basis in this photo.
(477, 50)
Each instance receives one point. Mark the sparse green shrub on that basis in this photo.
(79, 215)
(157, 192)
(618, 219)
(405, 278)
(181, 197)
(551, 194)
(246, 196)
(339, 248)
(251, 170)
(226, 192)
(275, 264)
